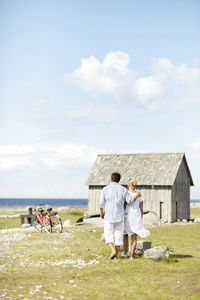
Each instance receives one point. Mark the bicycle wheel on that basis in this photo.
(37, 225)
(47, 224)
(56, 223)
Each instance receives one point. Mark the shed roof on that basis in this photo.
(146, 168)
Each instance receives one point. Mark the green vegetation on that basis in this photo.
(70, 213)
(75, 265)
(195, 212)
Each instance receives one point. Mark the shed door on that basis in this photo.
(161, 210)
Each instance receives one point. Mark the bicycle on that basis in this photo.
(41, 220)
(55, 220)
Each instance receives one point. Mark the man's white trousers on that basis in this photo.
(114, 232)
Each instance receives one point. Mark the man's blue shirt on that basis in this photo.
(112, 201)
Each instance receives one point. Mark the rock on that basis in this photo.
(26, 225)
(68, 223)
(157, 253)
(63, 208)
(97, 222)
(71, 281)
(142, 246)
(196, 220)
(151, 218)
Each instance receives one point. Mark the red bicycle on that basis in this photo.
(41, 221)
(55, 220)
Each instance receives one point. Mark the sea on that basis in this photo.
(55, 202)
(195, 201)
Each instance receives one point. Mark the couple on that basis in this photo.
(122, 211)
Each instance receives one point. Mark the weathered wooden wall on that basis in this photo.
(93, 199)
(157, 199)
(181, 195)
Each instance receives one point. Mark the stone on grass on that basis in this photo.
(96, 221)
(157, 253)
(68, 223)
(196, 220)
(26, 225)
(142, 246)
(151, 218)
(71, 281)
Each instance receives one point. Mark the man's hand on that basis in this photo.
(101, 213)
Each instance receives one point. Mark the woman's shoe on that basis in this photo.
(124, 255)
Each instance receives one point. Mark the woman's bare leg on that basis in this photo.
(125, 240)
(133, 244)
(117, 248)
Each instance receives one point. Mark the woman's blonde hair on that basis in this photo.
(132, 182)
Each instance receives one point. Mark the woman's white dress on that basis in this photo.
(133, 221)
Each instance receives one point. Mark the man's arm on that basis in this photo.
(101, 213)
(137, 195)
(130, 198)
(102, 204)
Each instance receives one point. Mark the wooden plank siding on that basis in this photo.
(152, 196)
(93, 199)
(181, 195)
(155, 198)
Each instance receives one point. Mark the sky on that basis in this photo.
(80, 78)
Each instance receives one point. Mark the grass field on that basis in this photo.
(72, 213)
(75, 265)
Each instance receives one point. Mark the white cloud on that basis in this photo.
(181, 82)
(147, 88)
(117, 61)
(178, 85)
(46, 156)
(109, 78)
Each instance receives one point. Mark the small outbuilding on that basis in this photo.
(164, 180)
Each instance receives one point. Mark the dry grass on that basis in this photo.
(75, 265)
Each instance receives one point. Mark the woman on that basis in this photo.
(133, 222)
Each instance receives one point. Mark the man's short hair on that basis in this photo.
(115, 177)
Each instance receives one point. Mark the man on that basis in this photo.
(112, 200)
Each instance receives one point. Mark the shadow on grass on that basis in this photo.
(180, 256)
(174, 258)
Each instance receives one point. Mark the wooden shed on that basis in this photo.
(164, 180)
